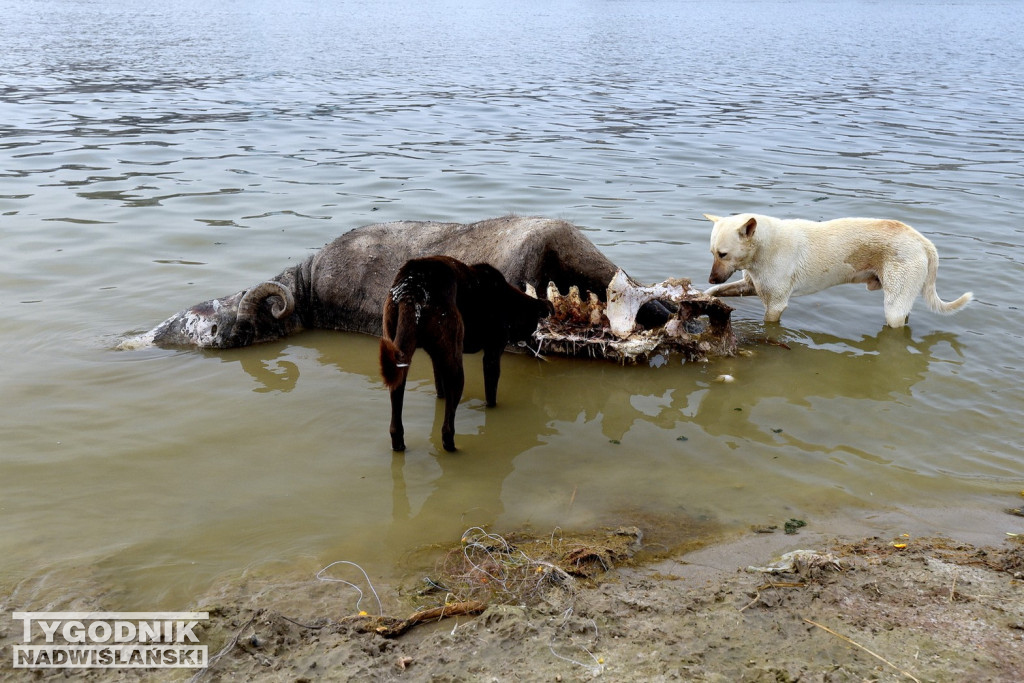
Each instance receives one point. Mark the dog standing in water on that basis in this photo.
(448, 308)
(784, 258)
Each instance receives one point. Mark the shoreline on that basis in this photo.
(931, 610)
(899, 595)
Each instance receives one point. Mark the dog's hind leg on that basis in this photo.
(454, 381)
(896, 318)
(397, 389)
(901, 283)
(897, 306)
(397, 429)
(397, 345)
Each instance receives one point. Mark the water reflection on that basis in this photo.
(451, 505)
(810, 367)
(798, 369)
(280, 375)
(890, 362)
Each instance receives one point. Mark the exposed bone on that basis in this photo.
(596, 311)
(572, 309)
(574, 297)
(553, 292)
(580, 327)
(675, 328)
(531, 290)
(625, 298)
(798, 561)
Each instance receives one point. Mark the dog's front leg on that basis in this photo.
(438, 376)
(744, 287)
(492, 371)
(774, 305)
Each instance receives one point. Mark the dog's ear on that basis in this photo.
(748, 228)
(712, 217)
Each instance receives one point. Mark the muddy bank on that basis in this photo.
(926, 609)
(611, 605)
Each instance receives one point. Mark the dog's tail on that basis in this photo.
(392, 361)
(396, 353)
(931, 296)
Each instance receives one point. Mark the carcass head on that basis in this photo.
(262, 313)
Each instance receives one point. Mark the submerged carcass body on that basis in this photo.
(343, 286)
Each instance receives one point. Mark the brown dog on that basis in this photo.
(448, 308)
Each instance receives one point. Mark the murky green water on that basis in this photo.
(155, 156)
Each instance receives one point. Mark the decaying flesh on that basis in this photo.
(590, 328)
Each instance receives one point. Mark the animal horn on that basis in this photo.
(251, 300)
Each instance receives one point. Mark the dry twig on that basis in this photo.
(855, 644)
(389, 627)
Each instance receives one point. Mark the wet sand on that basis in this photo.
(856, 605)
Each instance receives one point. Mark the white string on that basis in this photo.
(321, 577)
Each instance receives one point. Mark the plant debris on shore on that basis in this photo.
(575, 608)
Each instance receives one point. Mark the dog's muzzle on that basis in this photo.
(720, 273)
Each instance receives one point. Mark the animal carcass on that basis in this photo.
(343, 286)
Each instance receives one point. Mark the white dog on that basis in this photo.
(784, 258)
